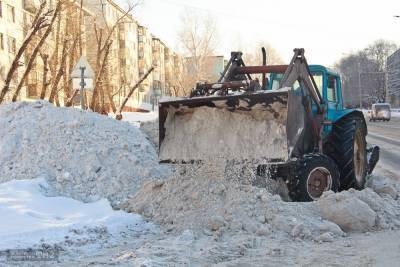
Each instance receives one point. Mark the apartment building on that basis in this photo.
(176, 88)
(121, 70)
(11, 36)
(393, 79)
(173, 70)
(158, 52)
(143, 96)
(15, 21)
(66, 28)
(134, 50)
(169, 70)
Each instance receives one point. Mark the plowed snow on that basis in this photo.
(81, 154)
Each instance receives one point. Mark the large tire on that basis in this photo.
(313, 175)
(348, 148)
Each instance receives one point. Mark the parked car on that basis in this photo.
(380, 111)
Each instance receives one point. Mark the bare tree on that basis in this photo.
(198, 41)
(39, 22)
(36, 50)
(104, 38)
(61, 69)
(379, 51)
(118, 114)
(363, 74)
(45, 82)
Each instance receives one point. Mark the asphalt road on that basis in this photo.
(387, 136)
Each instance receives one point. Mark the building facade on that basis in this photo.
(121, 68)
(393, 79)
(12, 16)
(143, 96)
(158, 51)
(133, 51)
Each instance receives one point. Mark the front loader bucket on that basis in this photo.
(247, 127)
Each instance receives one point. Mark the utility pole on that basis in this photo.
(359, 84)
(386, 85)
(82, 84)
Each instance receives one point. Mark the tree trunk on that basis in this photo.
(118, 115)
(44, 77)
(80, 27)
(38, 23)
(36, 51)
(71, 99)
(99, 75)
(60, 72)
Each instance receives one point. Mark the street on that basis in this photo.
(387, 136)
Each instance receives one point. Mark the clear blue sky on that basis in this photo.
(326, 29)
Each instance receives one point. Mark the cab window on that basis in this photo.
(331, 88)
(318, 78)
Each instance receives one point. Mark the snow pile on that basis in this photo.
(28, 218)
(151, 129)
(202, 199)
(208, 199)
(206, 133)
(213, 197)
(81, 154)
(360, 211)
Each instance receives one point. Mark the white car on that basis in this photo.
(380, 111)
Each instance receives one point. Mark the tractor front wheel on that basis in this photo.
(313, 175)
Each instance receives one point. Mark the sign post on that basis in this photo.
(82, 84)
(84, 72)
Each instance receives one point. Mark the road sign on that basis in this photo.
(83, 72)
(76, 83)
(82, 63)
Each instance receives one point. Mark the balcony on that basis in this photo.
(31, 5)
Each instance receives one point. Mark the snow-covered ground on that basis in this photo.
(200, 220)
(29, 217)
(137, 117)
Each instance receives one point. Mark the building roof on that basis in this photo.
(120, 9)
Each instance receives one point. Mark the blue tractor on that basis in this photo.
(287, 120)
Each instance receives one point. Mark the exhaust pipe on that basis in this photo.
(264, 63)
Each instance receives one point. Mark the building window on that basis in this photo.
(1, 8)
(11, 13)
(121, 44)
(331, 89)
(123, 62)
(12, 45)
(1, 41)
(157, 85)
(141, 53)
(31, 90)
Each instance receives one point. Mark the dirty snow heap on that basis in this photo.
(81, 154)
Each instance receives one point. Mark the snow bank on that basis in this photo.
(28, 217)
(209, 198)
(81, 154)
(203, 199)
(214, 198)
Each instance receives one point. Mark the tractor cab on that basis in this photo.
(328, 83)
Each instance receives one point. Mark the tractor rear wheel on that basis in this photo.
(313, 175)
(348, 147)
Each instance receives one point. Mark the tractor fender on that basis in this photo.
(340, 115)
